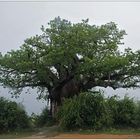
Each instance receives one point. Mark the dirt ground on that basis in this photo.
(87, 136)
(53, 133)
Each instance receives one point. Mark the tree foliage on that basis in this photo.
(12, 116)
(71, 57)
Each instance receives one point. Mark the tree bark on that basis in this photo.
(58, 94)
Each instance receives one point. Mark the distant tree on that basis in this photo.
(69, 58)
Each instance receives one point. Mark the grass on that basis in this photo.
(55, 130)
(111, 131)
(17, 134)
(44, 131)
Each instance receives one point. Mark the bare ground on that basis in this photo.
(83, 136)
(54, 133)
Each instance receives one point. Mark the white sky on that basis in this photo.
(19, 20)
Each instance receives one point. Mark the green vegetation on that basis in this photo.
(44, 119)
(12, 116)
(122, 111)
(17, 134)
(88, 110)
(64, 63)
(70, 58)
(88, 113)
(91, 110)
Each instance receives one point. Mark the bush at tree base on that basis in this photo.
(88, 110)
(12, 116)
(123, 111)
(91, 110)
(136, 120)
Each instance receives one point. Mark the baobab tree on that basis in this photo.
(69, 58)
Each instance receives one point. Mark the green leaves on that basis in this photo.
(12, 116)
(87, 110)
(59, 47)
(91, 110)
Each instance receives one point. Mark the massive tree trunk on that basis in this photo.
(64, 90)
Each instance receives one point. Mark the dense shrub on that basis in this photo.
(88, 110)
(12, 116)
(122, 111)
(44, 119)
(92, 110)
(136, 121)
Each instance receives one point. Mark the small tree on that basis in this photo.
(12, 116)
(67, 59)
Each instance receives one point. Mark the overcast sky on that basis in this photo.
(20, 20)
